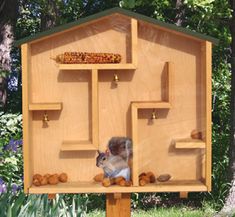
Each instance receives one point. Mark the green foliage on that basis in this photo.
(174, 211)
(11, 205)
(11, 162)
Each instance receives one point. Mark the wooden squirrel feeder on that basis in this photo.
(164, 76)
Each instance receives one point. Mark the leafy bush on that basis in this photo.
(11, 162)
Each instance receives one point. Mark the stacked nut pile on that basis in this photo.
(85, 58)
(149, 177)
(145, 178)
(54, 179)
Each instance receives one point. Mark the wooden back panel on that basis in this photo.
(146, 83)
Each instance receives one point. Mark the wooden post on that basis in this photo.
(119, 207)
(51, 196)
(183, 194)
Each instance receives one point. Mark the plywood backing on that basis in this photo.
(108, 112)
(156, 148)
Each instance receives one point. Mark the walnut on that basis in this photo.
(164, 177)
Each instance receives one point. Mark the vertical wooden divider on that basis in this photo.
(134, 130)
(207, 50)
(169, 82)
(25, 55)
(134, 40)
(94, 105)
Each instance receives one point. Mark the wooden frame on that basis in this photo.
(160, 95)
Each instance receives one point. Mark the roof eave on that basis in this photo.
(109, 12)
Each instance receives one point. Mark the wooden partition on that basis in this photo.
(161, 72)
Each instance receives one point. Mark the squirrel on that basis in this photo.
(113, 166)
(115, 161)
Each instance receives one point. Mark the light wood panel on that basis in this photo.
(169, 92)
(91, 187)
(95, 104)
(206, 68)
(27, 148)
(78, 146)
(134, 133)
(134, 41)
(96, 66)
(176, 91)
(189, 143)
(45, 106)
(149, 104)
(156, 151)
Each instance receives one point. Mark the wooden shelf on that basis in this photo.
(77, 146)
(151, 104)
(45, 106)
(93, 187)
(189, 143)
(96, 66)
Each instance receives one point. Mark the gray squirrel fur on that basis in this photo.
(114, 162)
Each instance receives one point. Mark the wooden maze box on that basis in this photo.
(162, 93)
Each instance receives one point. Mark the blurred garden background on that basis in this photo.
(22, 18)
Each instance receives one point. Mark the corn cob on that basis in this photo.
(85, 58)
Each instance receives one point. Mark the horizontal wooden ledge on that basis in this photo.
(151, 104)
(77, 146)
(45, 106)
(96, 66)
(93, 187)
(189, 143)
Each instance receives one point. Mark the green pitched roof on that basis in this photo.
(120, 11)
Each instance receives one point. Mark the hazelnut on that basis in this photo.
(196, 134)
(44, 181)
(53, 180)
(146, 178)
(36, 182)
(37, 176)
(47, 175)
(63, 177)
(106, 182)
(118, 180)
(142, 174)
(99, 177)
(142, 182)
(128, 183)
(122, 182)
(151, 176)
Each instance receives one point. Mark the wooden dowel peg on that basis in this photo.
(153, 115)
(45, 117)
(115, 79)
